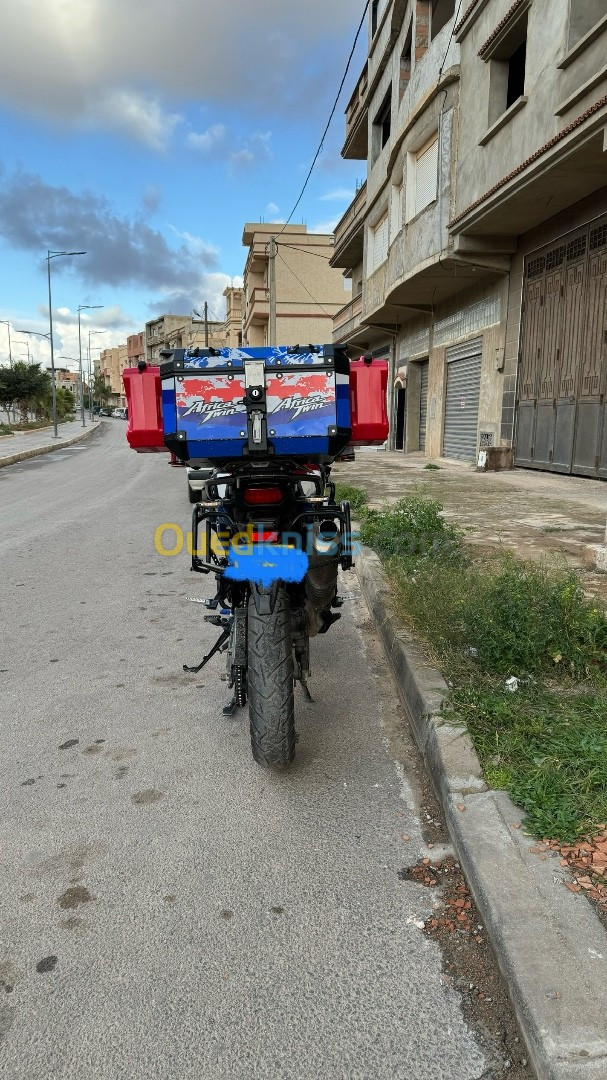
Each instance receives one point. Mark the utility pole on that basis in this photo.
(206, 325)
(272, 288)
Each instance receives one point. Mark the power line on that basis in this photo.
(332, 114)
(295, 247)
(453, 25)
(312, 298)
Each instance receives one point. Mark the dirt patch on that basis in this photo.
(470, 969)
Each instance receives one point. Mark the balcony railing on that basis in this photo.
(357, 120)
(349, 232)
(348, 313)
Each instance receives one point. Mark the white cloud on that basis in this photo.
(339, 195)
(272, 208)
(206, 142)
(136, 115)
(104, 62)
(324, 226)
(220, 144)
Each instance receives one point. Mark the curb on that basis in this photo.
(37, 451)
(550, 945)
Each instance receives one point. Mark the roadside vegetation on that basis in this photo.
(25, 390)
(524, 651)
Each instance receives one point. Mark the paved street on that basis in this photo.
(168, 909)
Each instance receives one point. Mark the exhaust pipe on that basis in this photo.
(321, 578)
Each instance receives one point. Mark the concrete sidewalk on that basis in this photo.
(549, 942)
(29, 444)
(538, 515)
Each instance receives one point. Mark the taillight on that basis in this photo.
(259, 536)
(263, 496)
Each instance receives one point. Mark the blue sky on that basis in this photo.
(148, 134)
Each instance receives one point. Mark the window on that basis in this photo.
(516, 74)
(382, 126)
(406, 61)
(374, 17)
(508, 65)
(378, 249)
(442, 12)
(422, 181)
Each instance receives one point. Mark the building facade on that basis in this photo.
(181, 332)
(478, 245)
(135, 348)
(233, 323)
(110, 365)
(309, 291)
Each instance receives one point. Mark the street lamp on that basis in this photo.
(84, 307)
(91, 332)
(8, 327)
(54, 255)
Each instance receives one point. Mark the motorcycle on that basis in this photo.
(267, 423)
(274, 537)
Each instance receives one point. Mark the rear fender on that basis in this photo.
(264, 598)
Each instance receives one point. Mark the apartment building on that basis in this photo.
(110, 365)
(309, 292)
(478, 245)
(233, 323)
(67, 380)
(181, 332)
(135, 348)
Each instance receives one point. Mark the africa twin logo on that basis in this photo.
(298, 405)
(213, 410)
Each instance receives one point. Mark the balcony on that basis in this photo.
(346, 321)
(349, 232)
(357, 122)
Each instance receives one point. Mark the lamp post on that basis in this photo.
(91, 332)
(84, 307)
(10, 353)
(54, 255)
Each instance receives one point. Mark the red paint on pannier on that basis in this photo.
(143, 394)
(368, 401)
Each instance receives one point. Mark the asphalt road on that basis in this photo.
(168, 909)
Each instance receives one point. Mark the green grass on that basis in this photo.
(432, 467)
(354, 495)
(484, 620)
(5, 429)
(548, 749)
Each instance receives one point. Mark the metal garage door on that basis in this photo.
(561, 418)
(463, 396)
(423, 403)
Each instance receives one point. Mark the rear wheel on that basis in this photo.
(270, 683)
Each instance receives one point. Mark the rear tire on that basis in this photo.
(270, 683)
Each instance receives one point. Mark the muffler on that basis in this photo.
(321, 578)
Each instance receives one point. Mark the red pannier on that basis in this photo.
(368, 401)
(144, 401)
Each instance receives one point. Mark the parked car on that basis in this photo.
(120, 414)
(105, 412)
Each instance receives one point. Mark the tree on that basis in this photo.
(8, 390)
(65, 403)
(101, 391)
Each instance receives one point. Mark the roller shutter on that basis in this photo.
(463, 396)
(423, 404)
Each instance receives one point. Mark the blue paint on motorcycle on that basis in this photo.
(263, 564)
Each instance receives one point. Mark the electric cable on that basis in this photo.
(295, 247)
(332, 114)
(312, 298)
